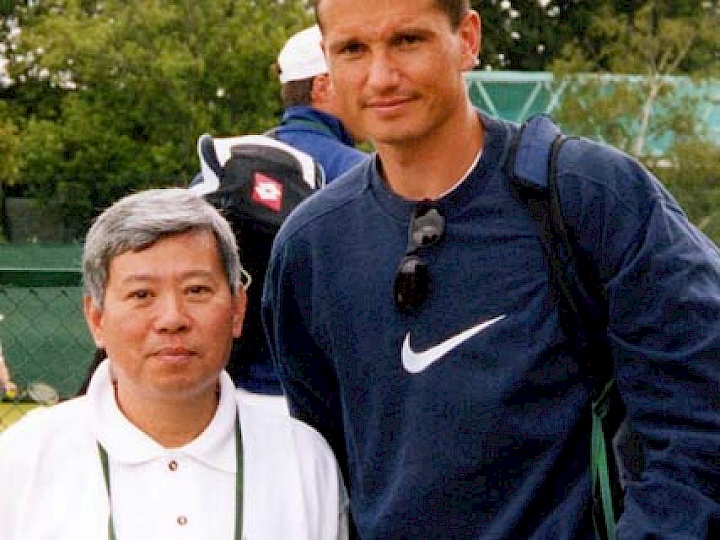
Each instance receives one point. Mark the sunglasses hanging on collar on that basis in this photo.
(412, 280)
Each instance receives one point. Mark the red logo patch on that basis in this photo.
(268, 192)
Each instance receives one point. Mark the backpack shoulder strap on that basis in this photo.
(534, 170)
(531, 153)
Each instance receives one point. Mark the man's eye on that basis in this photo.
(409, 39)
(351, 48)
(140, 294)
(199, 290)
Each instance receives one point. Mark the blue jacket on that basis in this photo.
(322, 136)
(490, 438)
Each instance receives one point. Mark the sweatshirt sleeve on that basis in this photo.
(662, 278)
(306, 373)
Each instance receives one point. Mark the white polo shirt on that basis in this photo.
(53, 486)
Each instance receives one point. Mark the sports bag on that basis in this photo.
(255, 181)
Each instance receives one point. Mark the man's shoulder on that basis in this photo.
(589, 170)
(329, 145)
(324, 207)
(46, 427)
(585, 166)
(583, 155)
(266, 428)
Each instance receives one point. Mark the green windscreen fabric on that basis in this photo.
(43, 332)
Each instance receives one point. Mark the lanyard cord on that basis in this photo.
(238, 484)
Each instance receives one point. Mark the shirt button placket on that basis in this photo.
(173, 466)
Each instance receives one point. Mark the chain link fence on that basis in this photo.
(45, 343)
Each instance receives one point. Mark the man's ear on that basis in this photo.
(238, 316)
(321, 88)
(470, 32)
(93, 318)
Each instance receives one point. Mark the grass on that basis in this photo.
(11, 412)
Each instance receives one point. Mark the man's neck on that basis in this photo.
(428, 168)
(173, 422)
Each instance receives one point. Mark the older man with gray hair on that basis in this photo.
(161, 445)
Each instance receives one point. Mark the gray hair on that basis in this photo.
(137, 221)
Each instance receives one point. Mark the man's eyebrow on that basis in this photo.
(132, 278)
(410, 29)
(146, 277)
(341, 43)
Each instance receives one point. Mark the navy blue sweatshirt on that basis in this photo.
(489, 438)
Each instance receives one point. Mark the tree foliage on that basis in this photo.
(9, 147)
(530, 35)
(667, 51)
(527, 34)
(110, 96)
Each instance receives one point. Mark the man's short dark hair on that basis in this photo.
(297, 92)
(455, 10)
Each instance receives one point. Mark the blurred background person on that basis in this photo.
(313, 120)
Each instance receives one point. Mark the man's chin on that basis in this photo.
(399, 136)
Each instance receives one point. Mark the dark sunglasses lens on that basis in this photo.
(411, 283)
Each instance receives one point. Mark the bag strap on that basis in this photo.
(533, 170)
(316, 125)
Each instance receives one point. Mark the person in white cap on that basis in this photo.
(313, 121)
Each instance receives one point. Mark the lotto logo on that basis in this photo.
(267, 192)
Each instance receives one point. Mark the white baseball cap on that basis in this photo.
(302, 56)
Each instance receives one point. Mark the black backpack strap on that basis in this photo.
(576, 288)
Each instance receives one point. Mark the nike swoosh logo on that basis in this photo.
(415, 362)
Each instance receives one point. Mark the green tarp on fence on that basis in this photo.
(43, 332)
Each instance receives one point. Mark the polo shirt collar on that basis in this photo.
(124, 442)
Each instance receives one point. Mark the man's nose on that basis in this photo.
(383, 70)
(172, 315)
